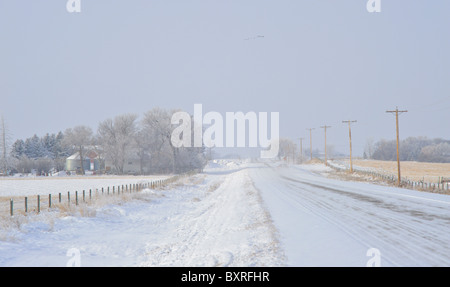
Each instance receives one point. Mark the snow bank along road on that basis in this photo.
(211, 219)
(240, 213)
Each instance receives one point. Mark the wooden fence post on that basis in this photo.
(76, 197)
(11, 207)
(39, 203)
(26, 204)
(49, 201)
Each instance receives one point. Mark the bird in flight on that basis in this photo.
(255, 37)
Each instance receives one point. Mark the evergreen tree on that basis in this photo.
(18, 149)
(48, 144)
(33, 147)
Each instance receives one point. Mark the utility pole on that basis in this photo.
(398, 153)
(301, 150)
(293, 154)
(310, 141)
(350, 139)
(325, 128)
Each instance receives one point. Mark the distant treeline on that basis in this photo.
(40, 153)
(49, 146)
(419, 149)
(120, 141)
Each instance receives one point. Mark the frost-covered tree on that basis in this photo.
(142, 148)
(286, 149)
(410, 147)
(17, 149)
(48, 143)
(4, 146)
(50, 147)
(79, 137)
(164, 157)
(385, 150)
(61, 150)
(33, 147)
(413, 149)
(117, 136)
(435, 153)
(157, 125)
(369, 148)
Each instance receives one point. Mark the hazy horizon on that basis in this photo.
(316, 63)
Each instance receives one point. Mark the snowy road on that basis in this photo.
(334, 223)
(243, 214)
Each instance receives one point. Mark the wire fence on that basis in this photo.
(36, 204)
(442, 186)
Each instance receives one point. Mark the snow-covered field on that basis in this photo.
(242, 213)
(45, 185)
(19, 188)
(211, 219)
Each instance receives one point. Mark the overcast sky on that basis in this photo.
(319, 62)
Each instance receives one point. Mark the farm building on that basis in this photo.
(90, 161)
(131, 166)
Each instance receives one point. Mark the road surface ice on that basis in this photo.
(242, 213)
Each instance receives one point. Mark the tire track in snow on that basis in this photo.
(391, 224)
(406, 230)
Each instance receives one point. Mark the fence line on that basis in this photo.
(442, 185)
(121, 189)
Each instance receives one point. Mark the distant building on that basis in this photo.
(132, 165)
(91, 161)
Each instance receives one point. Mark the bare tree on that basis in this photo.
(369, 148)
(157, 125)
(5, 141)
(435, 153)
(142, 145)
(79, 137)
(117, 137)
(164, 156)
(287, 149)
